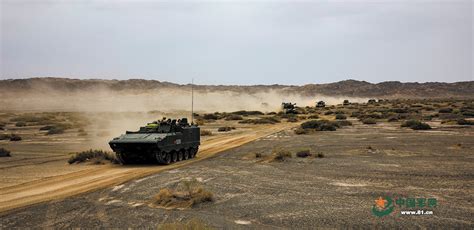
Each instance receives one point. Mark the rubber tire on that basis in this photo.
(174, 156)
(185, 154)
(166, 160)
(180, 155)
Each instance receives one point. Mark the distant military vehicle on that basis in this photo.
(320, 104)
(164, 142)
(346, 102)
(288, 107)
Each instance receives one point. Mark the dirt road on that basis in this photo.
(70, 184)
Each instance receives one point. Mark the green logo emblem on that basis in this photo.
(383, 207)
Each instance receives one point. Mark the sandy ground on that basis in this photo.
(300, 193)
(34, 176)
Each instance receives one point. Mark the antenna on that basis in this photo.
(192, 101)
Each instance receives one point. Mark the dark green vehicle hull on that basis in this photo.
(152, 148)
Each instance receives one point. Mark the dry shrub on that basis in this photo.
(416, 125)
(320, 155)
(187, 194)
(320, 125)
(225, 129)
(299, 131)
(341, 116)
(193, 224)
(303, 153)
(313, 116)
(264, 120)
(206, 132)
(234, 117)
(14, 137)
(95, 156)
(280, 155)
(465, 122)
(258, 155)
(292, 119)
(4, 153)
(369, 121)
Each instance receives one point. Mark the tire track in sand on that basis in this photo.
(62, 186)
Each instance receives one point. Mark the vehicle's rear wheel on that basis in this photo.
(185, 154)
(164, 158)
(193, 152)
(174, 156)
(180, 155)
(124, 159)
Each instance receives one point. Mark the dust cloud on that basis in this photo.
(164, 100)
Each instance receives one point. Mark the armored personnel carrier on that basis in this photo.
(163, 142)
(346, 102)
(288, 108)
(320, 104)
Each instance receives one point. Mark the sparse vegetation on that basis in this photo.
(187, 194)
(292, 119)
(445, 110)
(303, 153)
(4, 153)
(193, 224)
(210, 116)
(263, 120)
(234, 117)
(94, 156)
(416, 125)
(369, 121)
(258, 155)
(20, 124)
(55, 130)
(465, 122)
(320, 155)
(340, 116)
(280, 155)
(320, 125)
(15, 137)
(206, 132)
(225, 129)
(247, 113)
(300, 131)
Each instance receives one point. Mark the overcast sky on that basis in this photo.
(238, 42)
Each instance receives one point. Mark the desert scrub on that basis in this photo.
(263, 120)
(20, 124)
(247, 113)
(416, 125)
(343, 123)
(340, 116)
(300, 131)
(303, 153)
(225, 129)
(369, 121)
(210, 116)
(4, 153)
(234, 117)
(292, 119)
(55, 130)
(320, 125)
(313, 116)
(95, 156)
(320, 155)
(465, 122)
(193, 224)
(187, 194)
(14, 137)
(280, 155)
(5, 136)
(206, 132)
(445, 110)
